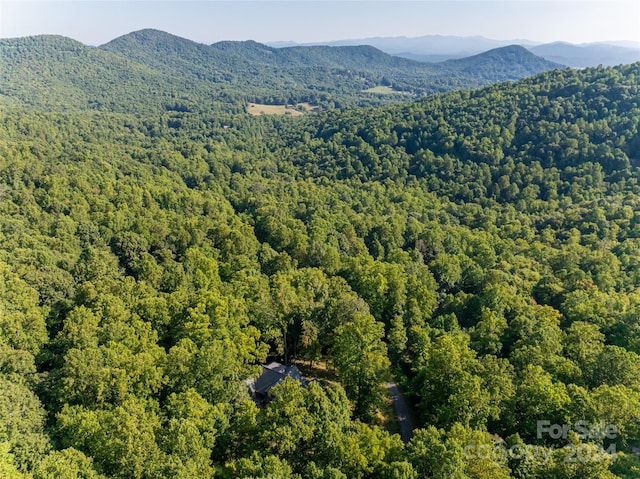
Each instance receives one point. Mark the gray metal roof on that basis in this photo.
(272, 374)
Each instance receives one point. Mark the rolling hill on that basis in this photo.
(57, 73)
(509, 63)
(153, 70)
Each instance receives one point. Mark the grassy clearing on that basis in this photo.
(382, 90)
(260, 109)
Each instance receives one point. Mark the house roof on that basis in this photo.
(272, 374)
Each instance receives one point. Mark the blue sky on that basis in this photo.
(96, 22)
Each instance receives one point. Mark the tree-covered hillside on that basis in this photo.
(54, 73)
(481, 247)
(151, 71)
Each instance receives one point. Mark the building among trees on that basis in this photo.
(272, 374)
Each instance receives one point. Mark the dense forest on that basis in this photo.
(481, 248)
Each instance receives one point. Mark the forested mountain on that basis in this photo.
(54, 73)
(508, 63)
(481, 247)
(359, 57)
(151, 70)
(446, 46)
(437, 48)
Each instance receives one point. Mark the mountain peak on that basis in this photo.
(149, 36)
(512, 53)
(508, 49)
(506, 63)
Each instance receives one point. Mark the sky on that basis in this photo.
(207, 21)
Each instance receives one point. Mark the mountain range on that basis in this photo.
(436, 48)
(150, 69)
(593, 54)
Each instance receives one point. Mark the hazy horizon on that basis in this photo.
(97, 22)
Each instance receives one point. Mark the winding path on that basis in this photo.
(402, 413)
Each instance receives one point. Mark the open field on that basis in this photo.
(382, 90)
(260, 109)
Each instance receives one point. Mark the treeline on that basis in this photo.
(481, 247)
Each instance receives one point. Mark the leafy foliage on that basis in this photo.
(480, 246)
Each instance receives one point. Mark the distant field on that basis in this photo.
(382, 90)
(260, 109)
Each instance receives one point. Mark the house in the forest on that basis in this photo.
(272, 374)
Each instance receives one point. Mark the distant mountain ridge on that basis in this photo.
(448, 46)
(582, 56)
(437, 48)
(359, 56)
(404, 73)
(151, 69)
